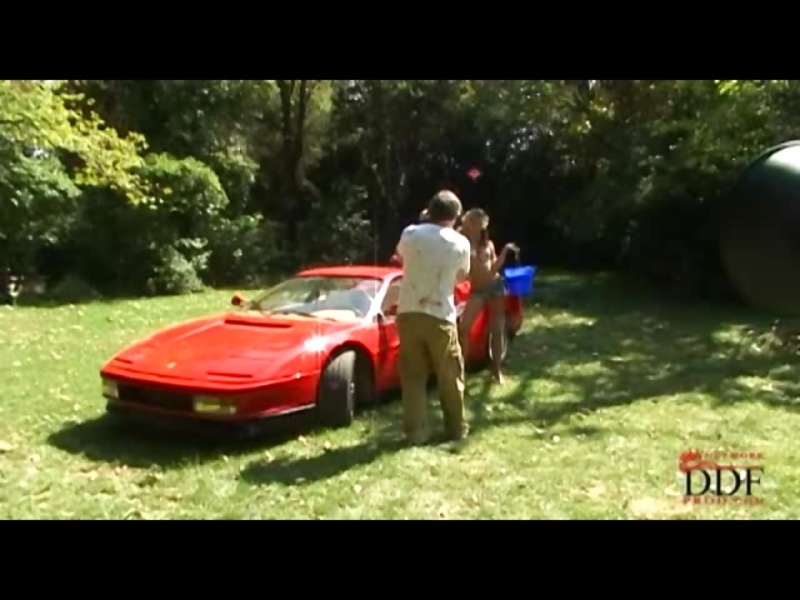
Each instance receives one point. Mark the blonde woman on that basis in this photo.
(487, 287)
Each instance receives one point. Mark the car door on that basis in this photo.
(388, 339)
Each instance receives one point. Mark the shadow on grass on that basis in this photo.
(597, 345)
(588, 345)
(291, 472)
(142, 444)
(113, 440)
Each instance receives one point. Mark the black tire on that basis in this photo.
(336, 397)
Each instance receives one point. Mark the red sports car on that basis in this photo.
(323, 340)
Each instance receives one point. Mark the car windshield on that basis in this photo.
(334, 298)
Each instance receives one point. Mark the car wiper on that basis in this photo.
(287, 311)
(300, 313)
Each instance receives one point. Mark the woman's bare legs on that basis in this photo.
(497, 310)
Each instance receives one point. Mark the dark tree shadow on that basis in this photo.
(285, 471)
(111, 440)
(640, 347)
(620, 345)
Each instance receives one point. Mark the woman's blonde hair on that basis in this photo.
(479, 215)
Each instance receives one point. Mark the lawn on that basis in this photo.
(606, 387)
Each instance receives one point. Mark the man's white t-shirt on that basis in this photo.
(432, 257)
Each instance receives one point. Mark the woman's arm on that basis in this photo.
(499, 261)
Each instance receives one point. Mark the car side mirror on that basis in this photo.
(238, 300)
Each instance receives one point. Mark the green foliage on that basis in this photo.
(188, 191)
(339, 232)
(176, 273)
(158, 246)
(236, 171)
(36, 114)
(247, 178)
(48, 150)
(38, 201)
(243, 250)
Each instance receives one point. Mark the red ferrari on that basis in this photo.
(324, 340)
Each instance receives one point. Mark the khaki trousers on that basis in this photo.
(430, 345)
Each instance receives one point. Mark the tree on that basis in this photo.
(49, 149)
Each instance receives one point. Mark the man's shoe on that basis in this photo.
(459, 437)
(455, 443)
(418, 440)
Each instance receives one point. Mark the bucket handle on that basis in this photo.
(516, 258)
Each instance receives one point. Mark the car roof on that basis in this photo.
(365, 271)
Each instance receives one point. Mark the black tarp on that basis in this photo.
(760, 231)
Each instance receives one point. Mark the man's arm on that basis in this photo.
(402, 247)
(397, 257)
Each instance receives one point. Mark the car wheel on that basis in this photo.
(336, 398)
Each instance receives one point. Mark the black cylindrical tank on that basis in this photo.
(760, 231)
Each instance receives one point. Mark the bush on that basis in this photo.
(156, 247)
(242, 250)
(338, 231)
(38, 203)
(72, 289)
(174, 274)
(237, 173)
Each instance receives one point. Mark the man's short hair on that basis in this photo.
(444, 206)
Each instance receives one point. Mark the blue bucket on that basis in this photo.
(519, 280)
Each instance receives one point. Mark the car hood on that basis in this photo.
(234, 347)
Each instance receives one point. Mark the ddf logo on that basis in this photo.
(721, 477)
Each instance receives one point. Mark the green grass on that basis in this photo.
(606, 387)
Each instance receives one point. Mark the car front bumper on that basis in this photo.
(239, 428)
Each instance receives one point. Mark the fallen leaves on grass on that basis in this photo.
(596, 491)
(658, 508)
(150, 479)
(513, 468)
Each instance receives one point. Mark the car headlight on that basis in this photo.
(214, 406)
(110, 389)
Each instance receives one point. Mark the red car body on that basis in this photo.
(244, 366)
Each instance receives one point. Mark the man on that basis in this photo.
(435, 258)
